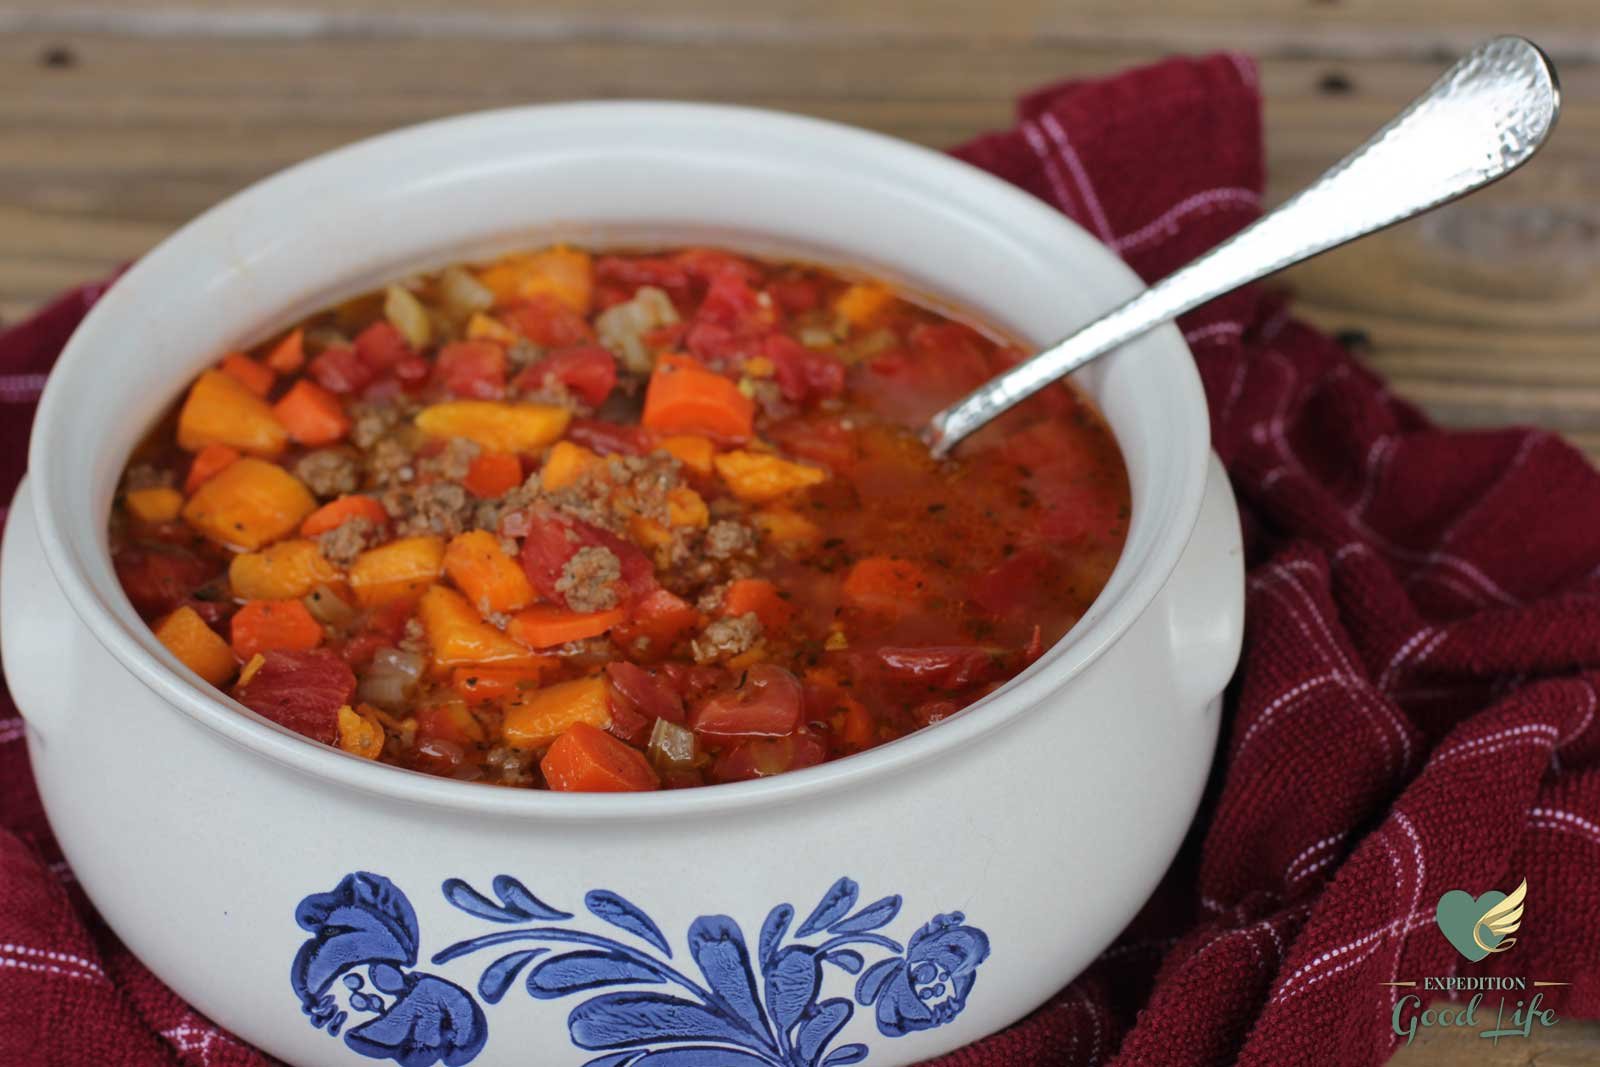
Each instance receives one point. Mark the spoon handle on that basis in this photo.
(1484, 118)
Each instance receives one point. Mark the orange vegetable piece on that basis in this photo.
(197, 645)
(156, 504)
(289, 354)
(450, 721)
(546, 626)
(691, 450)
(885, 585)
(492, 580)
(496, 426)
(760, 478)
(264, 625)
(493, 474)
(760, 596)
(312, 415)
(685, 398)
(336, 513)
(564, 464)
(399, 570)
(248, 504)
(482, 327)
(458, 637)
(564, 273)
(250, 374)
(499, 683)
(360, 733)
(587, 760)
(208, 463)
(219, 410)
(787, 528)
(659, 618)
(862, 302)
(287, 570)
(685, 507)
(535, 719)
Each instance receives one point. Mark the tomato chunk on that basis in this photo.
(766, 703)
(302, 690)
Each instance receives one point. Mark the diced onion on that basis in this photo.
(328, 608)
(462, 294)
(670, 745)
(622, 328)
(406, 313)
(391, 679)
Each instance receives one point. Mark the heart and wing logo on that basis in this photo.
(1477, 927)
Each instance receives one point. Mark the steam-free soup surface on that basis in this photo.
(614, 522)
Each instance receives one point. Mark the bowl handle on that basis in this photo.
(35, 622)
(1205, 597)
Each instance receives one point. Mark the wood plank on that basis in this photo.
(1484, 312)
(1327, 28)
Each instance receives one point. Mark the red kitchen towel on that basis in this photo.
(1415, 712)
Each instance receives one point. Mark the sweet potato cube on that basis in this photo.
(287, 570)
(564, 464)
(248, 504)
(156, 504)
(538, 718)
(492, 580)
(221, 410)
(786, 528)
(761, 478)
(563, 273)
(399, 570)
(862, 302)
(458, 637)
(197, 646)
(691, 450)
(496, 426)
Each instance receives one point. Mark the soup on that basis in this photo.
(614, 522)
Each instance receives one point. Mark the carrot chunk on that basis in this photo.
(265, 625)
(312, 415)
(492, 580)
(588, 760)
(493, 474)
(250, 374)
(760, 597)
(249, 504)
(546, 626)
(208, 463)
(289, 354)
(458, 637)
(685, 398)
(197, 645)
(221, 411)
(533, 720)
(885, 586)
(336, 513)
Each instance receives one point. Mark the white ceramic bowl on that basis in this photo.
(306, 899)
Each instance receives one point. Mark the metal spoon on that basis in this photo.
(1482, 120)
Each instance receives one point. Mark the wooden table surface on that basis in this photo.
(123, 119)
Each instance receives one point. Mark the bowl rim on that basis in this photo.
(212, 709)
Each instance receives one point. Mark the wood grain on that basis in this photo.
(122, 121)
(118, 122)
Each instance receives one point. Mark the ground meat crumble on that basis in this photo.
(329, 472)
(342, 544)
(589, 579)
(725, 638)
